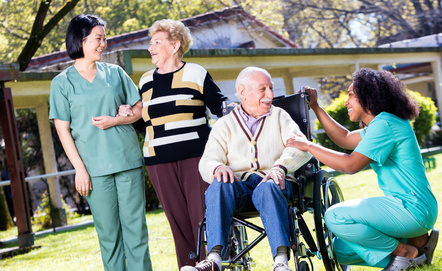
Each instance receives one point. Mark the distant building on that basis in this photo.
(418, 76)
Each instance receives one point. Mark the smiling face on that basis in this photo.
(162, 49)
(355, 111)
(257, 97)
(94, 44)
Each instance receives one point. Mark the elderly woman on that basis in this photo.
(175, 96)
(102, 148)
(390, 231)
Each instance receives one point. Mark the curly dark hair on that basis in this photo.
(381, 91)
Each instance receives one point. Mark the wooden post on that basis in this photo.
(15, 168)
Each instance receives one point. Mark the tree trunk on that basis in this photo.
(39, 31)
(5, 218)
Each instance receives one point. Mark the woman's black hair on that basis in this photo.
(381, 91)
(79, 28)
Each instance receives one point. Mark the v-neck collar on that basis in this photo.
(79, 74)
(244, 127)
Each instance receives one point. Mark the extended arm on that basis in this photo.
(338, 133)
(82, 180)
(342, 162)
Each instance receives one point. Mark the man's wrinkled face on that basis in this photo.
(257, 98)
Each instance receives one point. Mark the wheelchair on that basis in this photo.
(315, 191)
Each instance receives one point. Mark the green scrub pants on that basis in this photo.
(117, 202)
(369, 230)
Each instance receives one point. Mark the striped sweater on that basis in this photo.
(174, 110)
(231, 143)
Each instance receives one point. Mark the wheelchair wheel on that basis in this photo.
(237, 242)
(326, 193)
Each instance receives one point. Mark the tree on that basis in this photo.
(40, 29)
(361, 23)
(32, 28)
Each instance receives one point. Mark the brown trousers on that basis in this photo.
(180, 189)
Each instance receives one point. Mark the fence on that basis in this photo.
(44, 178)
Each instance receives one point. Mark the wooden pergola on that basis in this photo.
(14, 157)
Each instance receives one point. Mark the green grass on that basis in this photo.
(78, 249)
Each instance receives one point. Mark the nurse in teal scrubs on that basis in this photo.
(389, 232)
(102, 147)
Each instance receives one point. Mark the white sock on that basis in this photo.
(281, 255)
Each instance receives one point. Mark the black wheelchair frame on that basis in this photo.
(316, 190)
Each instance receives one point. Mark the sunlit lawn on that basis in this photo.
(78, 249)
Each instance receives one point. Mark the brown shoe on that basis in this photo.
(206, 265)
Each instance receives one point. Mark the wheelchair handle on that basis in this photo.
(303, 90)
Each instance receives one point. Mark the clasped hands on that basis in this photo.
(105, 122)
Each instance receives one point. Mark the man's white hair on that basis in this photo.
(245, 77)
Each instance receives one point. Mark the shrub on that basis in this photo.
(422, 124)
(427, 117)
(42, 216)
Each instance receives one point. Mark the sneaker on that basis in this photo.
(398, 263)
(429, 248)
(281, 267)
(206, 265)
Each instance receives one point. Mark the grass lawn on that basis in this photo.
(78, 249)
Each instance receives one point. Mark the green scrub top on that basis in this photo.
(390, 142)
(77, 100)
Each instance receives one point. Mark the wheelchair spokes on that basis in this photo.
(326, 193)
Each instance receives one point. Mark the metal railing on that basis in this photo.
(44, 178)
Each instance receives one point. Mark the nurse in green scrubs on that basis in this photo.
(390, 231)
(102, 147)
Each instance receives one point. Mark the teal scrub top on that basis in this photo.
(390, 142)
(77, 100)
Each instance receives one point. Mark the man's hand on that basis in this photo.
(125, 110)
(276, 176)
(224, 174)
(103, 122)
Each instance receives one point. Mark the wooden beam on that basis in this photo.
(15, 168)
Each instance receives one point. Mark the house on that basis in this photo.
(418, 76)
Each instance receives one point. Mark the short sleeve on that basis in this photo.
(377, 142)
(58, 100)
(130, 89)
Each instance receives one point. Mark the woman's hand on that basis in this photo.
(276, 176)
(125, 110)
(298, 142)
(82, 182)
(103, 122)
(312, 96)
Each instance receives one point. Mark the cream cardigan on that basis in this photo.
(232, 144)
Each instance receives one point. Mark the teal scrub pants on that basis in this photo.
(368, 230)
(117, 202)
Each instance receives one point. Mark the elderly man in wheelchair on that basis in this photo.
(246, 163)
